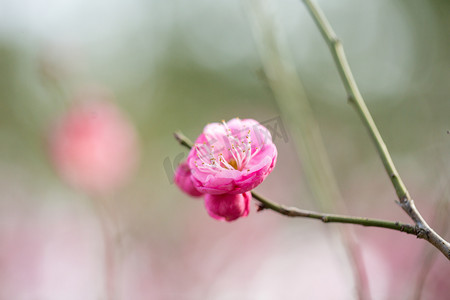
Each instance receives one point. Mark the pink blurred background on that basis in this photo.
(91, 92)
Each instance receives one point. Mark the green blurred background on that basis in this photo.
(179, 65)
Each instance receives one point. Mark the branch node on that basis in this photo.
(351, 99)
(423, 233)
(260, 207)
(335, 42)
(404, 199)
(286, 211)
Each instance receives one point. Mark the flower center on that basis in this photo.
(233, 163)
(237, 148)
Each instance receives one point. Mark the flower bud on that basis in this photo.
(228, 207)
(184, 182)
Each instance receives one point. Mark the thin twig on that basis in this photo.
(355, 98)
(326, 218)
(332, 218)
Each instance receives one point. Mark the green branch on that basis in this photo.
(354, 96)
(356, 99)
(326, 218)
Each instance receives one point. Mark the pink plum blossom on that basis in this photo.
(184, 182)
(233, 157)
(93, 146)
(228, 207)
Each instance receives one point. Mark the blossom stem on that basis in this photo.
(183, 140)
(326, 218)
(355, 98)
(332, 218)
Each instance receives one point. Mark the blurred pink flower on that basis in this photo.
(228, 207)
(232, 157)
(184, 182)
(93, 146)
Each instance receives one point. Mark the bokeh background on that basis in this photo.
(171, 65)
